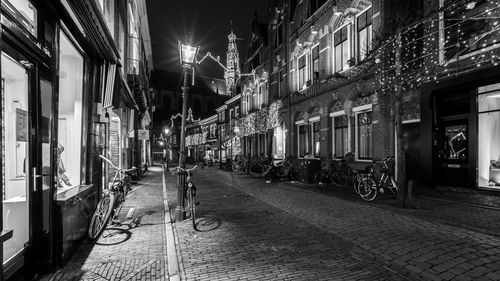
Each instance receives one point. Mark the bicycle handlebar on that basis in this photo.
(179, 168)
(112, 165)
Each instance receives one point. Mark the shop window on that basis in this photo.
(364, 134)
(340, 135)
(70, 115)
(26, 13)
(364, 23)
(278, 143)
(316, 138)
(303, 141)
(488, 136)
(468, 28)
(342, 52)
(15, 154)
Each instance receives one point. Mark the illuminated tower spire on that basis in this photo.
(232, 60)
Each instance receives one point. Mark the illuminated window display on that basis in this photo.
(70, 115)
(488, 137)
(15, 155)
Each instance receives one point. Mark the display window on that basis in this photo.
(69, 148)
(488, 138)
(15, 155)
(25, 12)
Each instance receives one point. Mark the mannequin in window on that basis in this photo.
(61, 170)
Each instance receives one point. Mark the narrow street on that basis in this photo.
(249, 230)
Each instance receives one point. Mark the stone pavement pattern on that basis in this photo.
(134, 250)
(256, 231)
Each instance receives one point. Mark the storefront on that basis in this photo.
(51, 78)
(462, 124)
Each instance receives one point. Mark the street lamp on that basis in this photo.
(187, 54)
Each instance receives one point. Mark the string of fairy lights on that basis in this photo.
(460, 37)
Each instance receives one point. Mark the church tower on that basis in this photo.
(232, 61)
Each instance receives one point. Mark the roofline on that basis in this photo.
(237, 97)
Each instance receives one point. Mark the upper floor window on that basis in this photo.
(279, 34)
(315, 63)
(302, 73)
(231, 114)
(315, 5)
(26, 13)
(467, 28)
(237, 112)
(364, 23)
(342, 48)
(281, 84)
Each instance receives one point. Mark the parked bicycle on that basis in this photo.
(336, 171)
(189, 193)
(369, 186)
(111, 201)
(240, 166)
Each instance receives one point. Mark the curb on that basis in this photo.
(171, 262)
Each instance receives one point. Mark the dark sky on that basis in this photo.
(209, 24)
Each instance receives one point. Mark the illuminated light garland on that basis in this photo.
(426, 55)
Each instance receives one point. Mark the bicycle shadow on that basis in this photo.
(207, 224)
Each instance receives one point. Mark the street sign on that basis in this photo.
(143, 134)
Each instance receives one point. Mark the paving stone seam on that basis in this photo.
(174, 263)
(384, 264)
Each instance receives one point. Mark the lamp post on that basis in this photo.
(187, 59)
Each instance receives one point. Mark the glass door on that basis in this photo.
(16, 154)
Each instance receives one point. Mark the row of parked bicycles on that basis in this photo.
(113, 196)
(374, 179)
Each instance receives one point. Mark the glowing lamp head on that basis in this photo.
(167, 131)
(187, 53)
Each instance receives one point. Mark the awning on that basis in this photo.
(108, 78)
(126, 94)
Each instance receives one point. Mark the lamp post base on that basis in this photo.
(180, 214)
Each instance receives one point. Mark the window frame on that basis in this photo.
(334, 115)
(311, 131)
(315, 59)
(357, 111)
(348, 27)
(369, 33)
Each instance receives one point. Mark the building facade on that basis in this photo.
(65, 100)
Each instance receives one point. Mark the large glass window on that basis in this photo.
(364, 132)
(278, 143)
(488, 137)
(364, 23)
(15, 155)
(342, 52)
(340, 135)
(70, 115)
(316, 138)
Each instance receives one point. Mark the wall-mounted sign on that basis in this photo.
(143, 134)
(21, 125)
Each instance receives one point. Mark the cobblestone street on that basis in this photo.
(250, 230)
(134, 250)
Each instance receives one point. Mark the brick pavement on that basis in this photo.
(135, 250)
(281, 231)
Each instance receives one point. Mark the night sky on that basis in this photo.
(208, 21)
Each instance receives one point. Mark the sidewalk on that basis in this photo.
(250, 230)
(134, 250)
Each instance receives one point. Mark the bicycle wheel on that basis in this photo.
(367, 189)
(236, 168)
(101, 216)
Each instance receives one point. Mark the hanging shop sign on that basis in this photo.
(143, 134)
